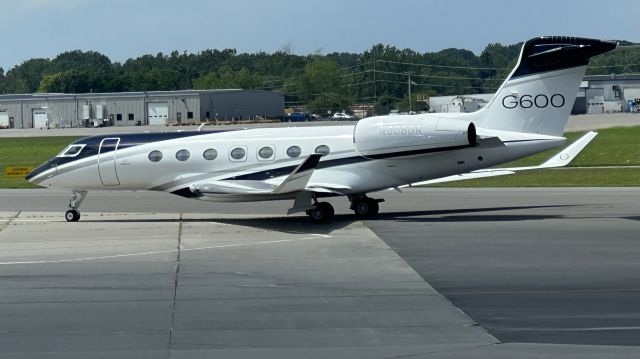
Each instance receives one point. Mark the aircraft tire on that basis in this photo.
(72, 215)
(366, 208)
(323, 212)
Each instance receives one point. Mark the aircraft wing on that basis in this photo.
(561, 159)
(296, 181)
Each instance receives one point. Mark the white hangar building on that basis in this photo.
(137, 108)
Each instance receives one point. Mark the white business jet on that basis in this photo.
(527, 115)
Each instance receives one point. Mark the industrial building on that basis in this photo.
(137, 108)
(460, 103)
(607, 93)
(597, 94)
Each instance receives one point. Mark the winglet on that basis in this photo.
(568, 154)
(300, 176)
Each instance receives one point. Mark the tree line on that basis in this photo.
(317, 82)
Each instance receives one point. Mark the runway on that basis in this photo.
(443, 273)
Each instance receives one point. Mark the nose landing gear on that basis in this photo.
(73, 215)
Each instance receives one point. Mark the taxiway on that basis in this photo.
(443, 273)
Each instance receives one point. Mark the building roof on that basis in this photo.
(62, 96)
(613, 77)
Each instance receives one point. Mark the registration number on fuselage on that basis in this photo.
(401, 130)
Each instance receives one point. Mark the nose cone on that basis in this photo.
(43, 172)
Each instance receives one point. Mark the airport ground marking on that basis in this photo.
(175, 282)
(139, 254)
(9, 221)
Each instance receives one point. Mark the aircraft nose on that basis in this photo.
(36, 177)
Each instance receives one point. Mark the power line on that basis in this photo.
(357, 73)
(359, 83)
(443, 77)
(444, 66)
(435, 85)
(608, 66)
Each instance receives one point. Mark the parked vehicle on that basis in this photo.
(295, 117)
(343, 116)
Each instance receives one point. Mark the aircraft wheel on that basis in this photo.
(366, 208)
(72, 215)
(323, 212)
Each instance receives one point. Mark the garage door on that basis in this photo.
(4, 119)
(158, 113)
(40, 119)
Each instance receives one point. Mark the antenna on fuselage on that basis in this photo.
(200, 127)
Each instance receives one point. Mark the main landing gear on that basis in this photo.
(363, 206)
(322, 212)
(73, 215)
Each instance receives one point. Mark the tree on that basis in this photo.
(322, 87)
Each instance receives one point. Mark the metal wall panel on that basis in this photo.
(66, 110)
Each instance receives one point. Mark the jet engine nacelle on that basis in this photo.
(390, 134)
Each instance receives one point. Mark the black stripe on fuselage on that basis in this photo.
(283, 171)
(127, 140)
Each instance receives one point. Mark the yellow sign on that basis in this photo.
(17, 171)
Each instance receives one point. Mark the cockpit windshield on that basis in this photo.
(71, 151)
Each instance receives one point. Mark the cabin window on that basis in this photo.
(238, 154)
(266, 153)
(71, 151)
(294, 151)
(323, 150)
(210, 154)
(155, 156)
(182, 155)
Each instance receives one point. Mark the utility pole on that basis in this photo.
(375, 90)
(409, 86)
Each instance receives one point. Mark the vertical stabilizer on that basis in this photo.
(538, 95)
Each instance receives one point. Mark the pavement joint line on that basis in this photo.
(548, 291)
(223, 246)
(455, 349)
(587, 329)
(175, 286)
(8, 223)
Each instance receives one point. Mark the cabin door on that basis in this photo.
(107, 161)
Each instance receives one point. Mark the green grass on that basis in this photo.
(27, 151)
(612, 147)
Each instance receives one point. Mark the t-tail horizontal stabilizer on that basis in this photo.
(561, 159)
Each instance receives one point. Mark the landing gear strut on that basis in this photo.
(365, 207)
(73, 215)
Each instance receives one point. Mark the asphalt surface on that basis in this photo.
(537, 266)
(557, 268)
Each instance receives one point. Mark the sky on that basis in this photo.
(123, 29)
